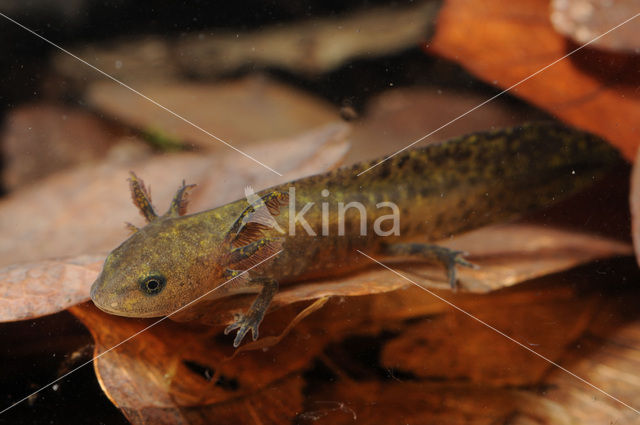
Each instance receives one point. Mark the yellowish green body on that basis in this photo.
(440, 190)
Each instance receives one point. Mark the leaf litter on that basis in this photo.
(187, 373)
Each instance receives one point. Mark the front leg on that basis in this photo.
(247, 248)
(253, 317)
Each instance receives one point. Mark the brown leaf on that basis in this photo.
(607, 356)
(398, 117)
(546, 320)
(45, 287)
(504, 42)
(147, 59)
(444, 367)
(312, 46)
(427, 402)
(584, 20)
(153, 363)
(239, 112)
(41, 138)
(158, 375)
(510, 254)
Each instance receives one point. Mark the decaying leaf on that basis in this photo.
(315, 46)
(607, 356)
(239, 112)
(42, 138)
(440, 366)
(395, 118)
(545, 319)
(514, 253)
(165, 372)
(585, 20)
(312, 46)
(504, 42)
(427, 402)
(444, 367)
(46, 287)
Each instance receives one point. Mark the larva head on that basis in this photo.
(161, 266)
(157, 270)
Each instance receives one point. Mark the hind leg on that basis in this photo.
(448, 257)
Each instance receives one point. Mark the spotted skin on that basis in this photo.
(440, 190)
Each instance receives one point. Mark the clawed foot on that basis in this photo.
(450, 258)
(244, 324)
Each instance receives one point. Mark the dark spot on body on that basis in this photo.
(466, 216)
(402, 161)
(439, 220)
(385, 170)
(461, 154)
(418, 167)
(426, 191)
(405, 229)
(498, 170)
(463, 169)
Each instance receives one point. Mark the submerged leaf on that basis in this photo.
(45, 287)
(240, 112)
(439, 366)
(504, 42)
(164, 374)
(444, 367)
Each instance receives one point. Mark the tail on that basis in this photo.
(486, 177)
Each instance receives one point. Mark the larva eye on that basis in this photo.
(153, 284)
